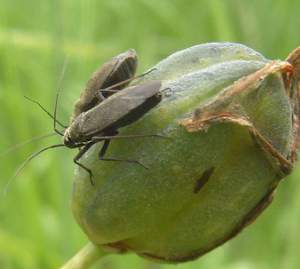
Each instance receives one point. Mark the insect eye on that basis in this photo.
(68, 141)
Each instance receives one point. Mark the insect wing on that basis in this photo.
(119, 68)
(123, 70)
(119, 110)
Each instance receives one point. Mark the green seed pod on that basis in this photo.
(231, 118)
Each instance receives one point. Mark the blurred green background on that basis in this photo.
(37, 229)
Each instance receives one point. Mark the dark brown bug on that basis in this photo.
(120, 68)
(101, 123)
(98, 116)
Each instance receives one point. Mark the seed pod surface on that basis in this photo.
(231, 118)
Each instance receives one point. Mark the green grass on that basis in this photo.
(37, 229)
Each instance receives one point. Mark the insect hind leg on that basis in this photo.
(112, 88)
(104, 149)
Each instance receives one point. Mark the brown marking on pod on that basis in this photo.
(203, 179)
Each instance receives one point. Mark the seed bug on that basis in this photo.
(118, 71)
(100, 118)
(101, 123)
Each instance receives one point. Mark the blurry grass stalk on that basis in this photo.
(85, 258)
(43, 42)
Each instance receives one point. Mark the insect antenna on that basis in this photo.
(57, 96)
(55, 121)
(45, 110)
(17, 146)
(21, 167)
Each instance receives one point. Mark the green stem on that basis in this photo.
(85, 258)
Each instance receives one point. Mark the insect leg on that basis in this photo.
(99, 138)
(104, 149)
(99, 94)
(57, 97)
(79, 155)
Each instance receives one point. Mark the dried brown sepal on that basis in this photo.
(222, 109)
(294, 60)
(273, 155)
(249, 82)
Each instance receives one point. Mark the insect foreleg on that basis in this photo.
(80, 154)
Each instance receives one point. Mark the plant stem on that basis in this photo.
(85, 258)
